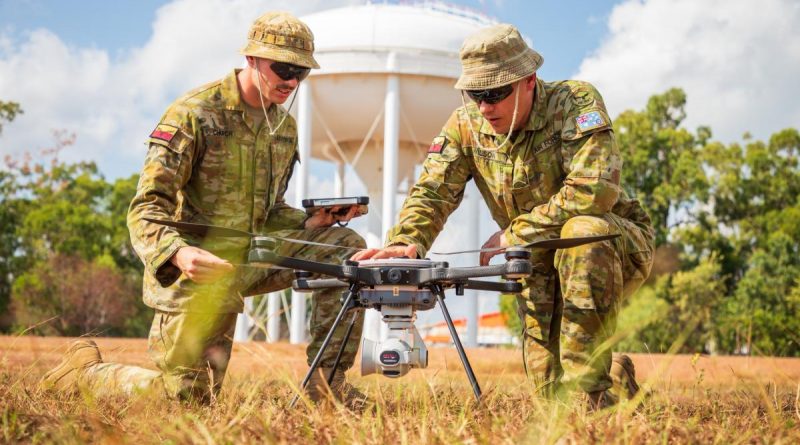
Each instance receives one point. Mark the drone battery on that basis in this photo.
(421, 299)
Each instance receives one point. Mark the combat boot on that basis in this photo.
(69, 374)
(347, 393)
(623, 376)
(339, 389)
(599, 400)
(317, 388)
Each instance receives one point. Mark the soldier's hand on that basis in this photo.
(328, 216)
(386, 252)
(201, 266)
(496, 240)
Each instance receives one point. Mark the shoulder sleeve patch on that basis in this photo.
(164, 132)
(438, 144)
(171, 137)
(589, 121)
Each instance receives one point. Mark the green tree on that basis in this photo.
(761, 316)
(508, 306)
(660, 159)
(11, 212)
(119, 198)
(10, 215)
(69, 295)
(677, 314)
(751, 220)
(8, 111)
(72, 221)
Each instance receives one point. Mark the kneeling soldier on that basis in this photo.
(543, 156)
(222, 154)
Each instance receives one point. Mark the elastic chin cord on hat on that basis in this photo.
(272, 131)
(510, 130)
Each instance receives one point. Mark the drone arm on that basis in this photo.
(465, 273)
(303, 285)
(460, 274)
(506, 287)
(344, 272)
(266, 256)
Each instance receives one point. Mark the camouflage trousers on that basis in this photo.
(569, 310)
(192, 350)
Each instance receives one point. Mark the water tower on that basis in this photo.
(384, 90)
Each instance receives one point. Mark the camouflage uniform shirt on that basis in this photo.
(564, 162)
(207, 164)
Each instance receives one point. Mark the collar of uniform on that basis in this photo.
(232, 99)
(538, 115)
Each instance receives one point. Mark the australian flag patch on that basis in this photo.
(589, 121)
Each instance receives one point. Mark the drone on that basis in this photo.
(397, 288)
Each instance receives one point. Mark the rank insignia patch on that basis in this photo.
(589, 121)
(164, 132)
(437, 145)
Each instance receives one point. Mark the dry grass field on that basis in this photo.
(691, 400)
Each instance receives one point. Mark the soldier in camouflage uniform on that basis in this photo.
(222, 154)
(556, 174)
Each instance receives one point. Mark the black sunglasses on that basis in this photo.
(288, 71)
(491, 96)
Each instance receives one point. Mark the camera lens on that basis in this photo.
(394, 275)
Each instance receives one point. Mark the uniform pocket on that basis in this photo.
(638, 261)
(524, 199)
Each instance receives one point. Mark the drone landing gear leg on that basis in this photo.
(341, 348)
(457, 342)
(346, 305)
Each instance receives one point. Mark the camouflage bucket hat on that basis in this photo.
(494, 57)
(282, 37)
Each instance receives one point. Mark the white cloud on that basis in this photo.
(737, 60)
(112, 103)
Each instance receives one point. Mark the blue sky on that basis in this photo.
(112, 25)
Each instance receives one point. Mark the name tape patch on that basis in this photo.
(164, 132)
(589, 121)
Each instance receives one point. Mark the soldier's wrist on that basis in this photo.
(305, 221)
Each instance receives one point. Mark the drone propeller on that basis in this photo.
(549, 244)
(203, 229)
(212, 230)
